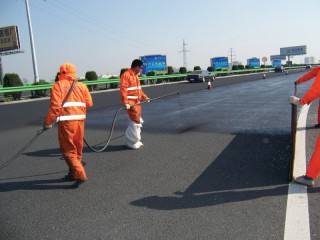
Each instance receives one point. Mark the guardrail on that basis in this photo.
(31, 87)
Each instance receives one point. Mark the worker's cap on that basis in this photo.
(67, 68)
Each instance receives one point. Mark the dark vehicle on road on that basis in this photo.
(308, 67)
(279, 69)
(200, 76)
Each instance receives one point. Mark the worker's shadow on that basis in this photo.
(250, 167)
(44, 184)
(186, 201)
(54, 152)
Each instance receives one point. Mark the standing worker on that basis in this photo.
(68, 103)
(313, 169)
(131, 94)
(308, 76)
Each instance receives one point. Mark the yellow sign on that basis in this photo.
(9, 38)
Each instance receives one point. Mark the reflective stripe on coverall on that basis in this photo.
(313, 169)
(311, 74)
(131, 93)
(70, 118)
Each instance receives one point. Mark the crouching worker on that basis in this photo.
(131, 94)
(68, 103)
(313, 169)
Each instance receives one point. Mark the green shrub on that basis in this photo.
(210, 69)
(40, 93)
(197, 68)
(183, 70)
(12, 80)
(91, 76)
(240, 67)
(235, 67)
(170, 70)
(152, 73)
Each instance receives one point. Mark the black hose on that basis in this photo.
(110, 134)
(114, 120)
(40, 131)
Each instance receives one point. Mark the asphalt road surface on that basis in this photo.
(214, 165)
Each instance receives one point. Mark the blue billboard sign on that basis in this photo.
(276, 63)
(219, 62)
(253, 62)
(155, 63)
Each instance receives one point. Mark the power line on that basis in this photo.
(75, 24)
(134, 39)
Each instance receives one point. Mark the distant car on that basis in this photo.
(279, 69)
(308, 67)
(200, 76)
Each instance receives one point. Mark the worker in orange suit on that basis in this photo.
(308, 76)
(313, 92)
(70, 113)
(131, 95)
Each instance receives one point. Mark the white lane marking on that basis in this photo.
(297, 225)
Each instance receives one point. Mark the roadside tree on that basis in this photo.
(12, 80)
(91, 76)
(197, 68)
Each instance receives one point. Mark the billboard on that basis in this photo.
(273, 57)
(219, 62)
(276, 62)
(253, 62)
(155, 63)
(290, 51)
(9, 38)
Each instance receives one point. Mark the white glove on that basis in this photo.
(294, 100)
(127, 106)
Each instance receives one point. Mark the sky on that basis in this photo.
(105, 36)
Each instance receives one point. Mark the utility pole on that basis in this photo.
(34, 60)
(184, 51)
(232, 54)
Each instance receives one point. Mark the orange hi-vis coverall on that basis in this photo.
(70, 118)
(131, 93)
(313, 169)
(313, 73)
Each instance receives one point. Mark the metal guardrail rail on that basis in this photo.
(31, 87)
